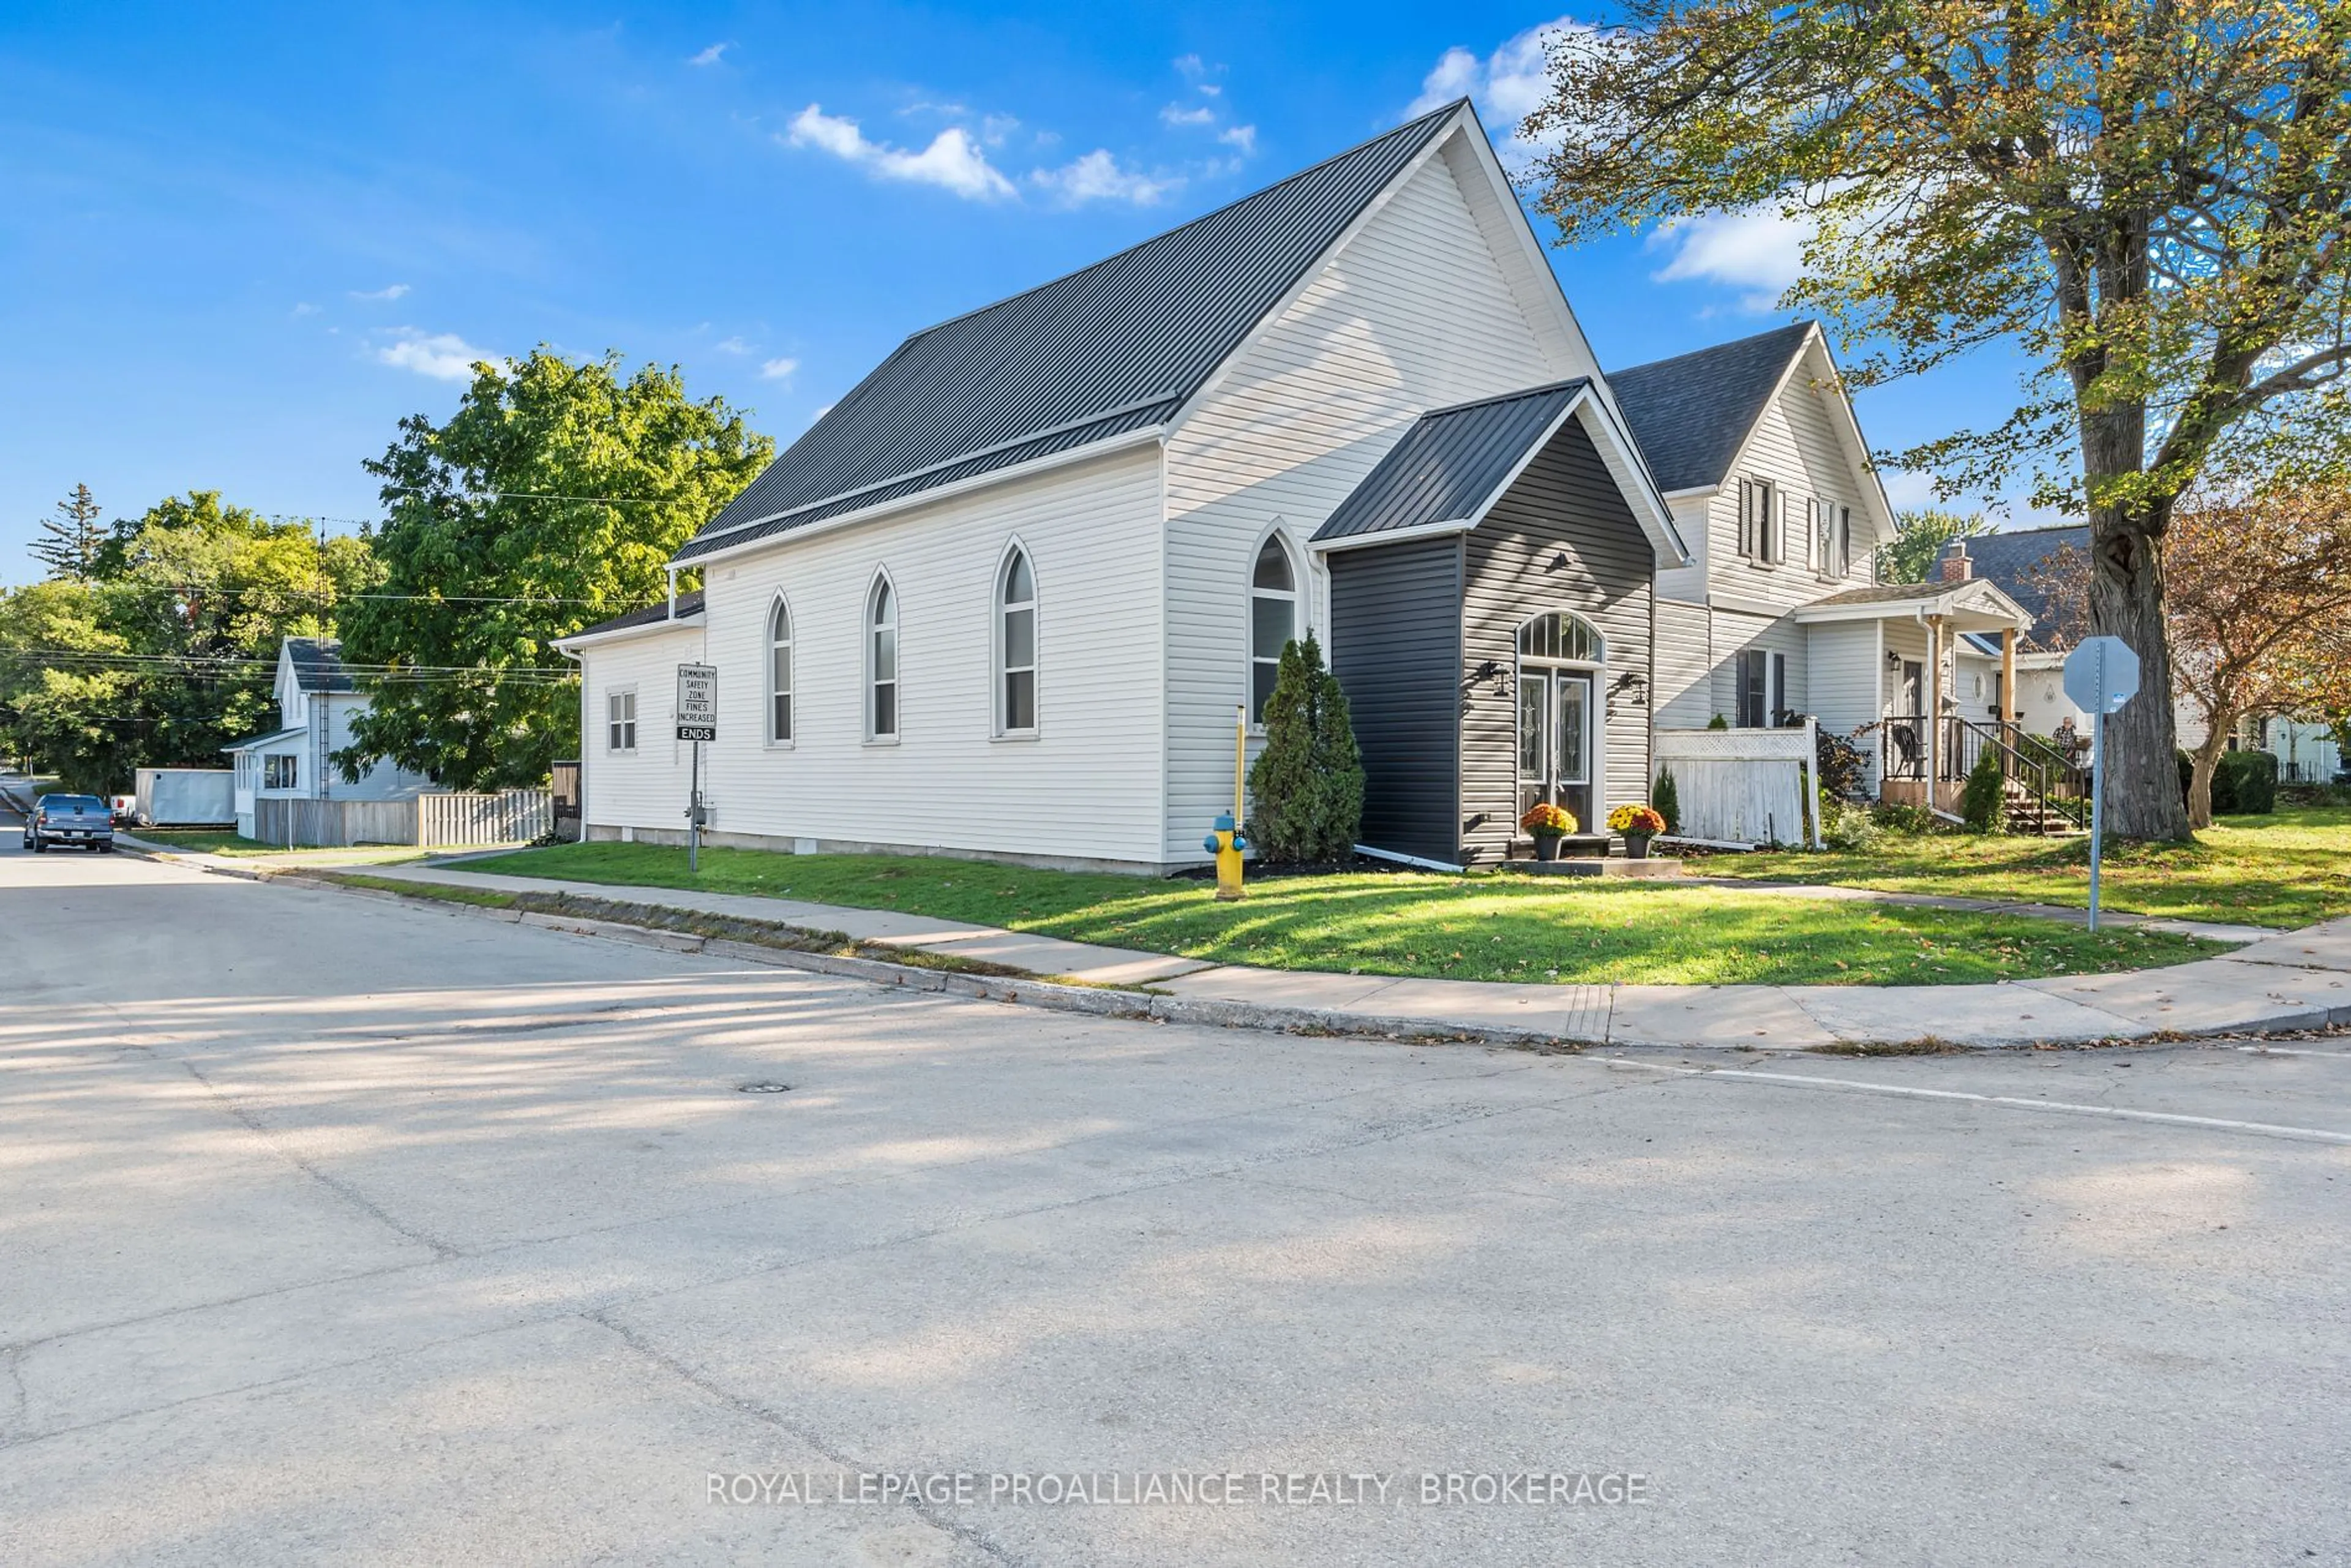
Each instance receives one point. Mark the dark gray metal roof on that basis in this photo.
(688, 603)
(1691, 415)
(318, 665)
(2012, 563)
(1116, 346)
(1451, 461)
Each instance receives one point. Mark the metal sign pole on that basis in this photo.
(2097, 806)
(693, 822)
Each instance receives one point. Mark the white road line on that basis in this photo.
(2115, 1112)
(2289, 1050)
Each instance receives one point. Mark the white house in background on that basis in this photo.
(1780, 613)
(1007, 596)
(2020, 560)
(317, 701)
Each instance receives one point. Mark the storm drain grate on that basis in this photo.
(763, 1088)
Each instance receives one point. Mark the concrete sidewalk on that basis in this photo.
(2290, 981)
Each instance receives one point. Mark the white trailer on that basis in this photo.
(186, 797)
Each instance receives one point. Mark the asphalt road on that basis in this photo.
(335, 1230)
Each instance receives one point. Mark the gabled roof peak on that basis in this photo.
(1112, 349)
(1691, 414)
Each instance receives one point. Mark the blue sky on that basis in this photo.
(238, 243)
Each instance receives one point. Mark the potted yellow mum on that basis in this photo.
(1638, 823)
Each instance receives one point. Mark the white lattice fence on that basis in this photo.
(1743, 786)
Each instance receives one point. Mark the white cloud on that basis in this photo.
(779, 370)
(711, 55)
(391, 291)
(305, 309)
(1759, 251)
(1096, 177)
(953, 160)
(1199, 114)
(443, 356)
(732, 346)
(1243, 137)
(820, 414)
(1508, 84)
(1905, 491)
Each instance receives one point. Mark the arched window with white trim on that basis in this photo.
(780, 674)
(1016, 646)
(1273, 620)
(882, 661)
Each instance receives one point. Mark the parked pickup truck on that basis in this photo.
(83, 821)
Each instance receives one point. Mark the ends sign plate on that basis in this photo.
(697, 702)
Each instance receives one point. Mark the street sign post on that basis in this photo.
(2101, 674)
(697, 721)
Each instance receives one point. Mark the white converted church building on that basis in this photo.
(1004, 596)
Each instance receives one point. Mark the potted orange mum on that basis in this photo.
(1549, 824)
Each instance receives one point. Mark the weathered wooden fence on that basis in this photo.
(509, 817)
(441, 820)
(1743, 786)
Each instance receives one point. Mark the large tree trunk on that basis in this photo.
(2206, 763)
(2142, 764)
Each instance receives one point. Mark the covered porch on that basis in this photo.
(1924, 676)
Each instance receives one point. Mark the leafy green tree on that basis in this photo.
(165, 653)
(1308, 782)
(1919, 535)
(2149, 199)
(553, 498)
(72, 542)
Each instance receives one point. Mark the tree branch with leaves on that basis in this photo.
(2151, 200)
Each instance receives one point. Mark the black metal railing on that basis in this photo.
(2045, 782)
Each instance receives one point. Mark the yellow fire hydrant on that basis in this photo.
(1225, 841)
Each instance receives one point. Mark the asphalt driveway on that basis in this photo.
(334, 1230)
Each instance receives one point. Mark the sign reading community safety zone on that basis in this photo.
(697, 702)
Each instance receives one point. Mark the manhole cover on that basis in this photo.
(763, 1088)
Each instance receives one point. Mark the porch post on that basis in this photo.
(1934, 706)
(2008, 709)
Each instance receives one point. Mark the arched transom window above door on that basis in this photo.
(1560, 638)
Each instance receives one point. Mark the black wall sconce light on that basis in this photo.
(1557, 562)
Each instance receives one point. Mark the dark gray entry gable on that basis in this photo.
(1423, 638)
(1395, 645)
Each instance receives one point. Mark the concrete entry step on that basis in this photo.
(1655, 866)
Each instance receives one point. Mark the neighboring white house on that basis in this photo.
(317, 701)
(1007, 596)
(1780, 611)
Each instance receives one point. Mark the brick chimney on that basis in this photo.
(1957, 567)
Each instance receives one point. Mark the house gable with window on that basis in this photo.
(317, 702)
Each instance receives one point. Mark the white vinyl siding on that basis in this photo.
(1086, 787)
(646, 790)
(1417, 311)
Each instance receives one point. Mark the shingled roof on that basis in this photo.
(1117, 347)
(1451, 462)
(1691, 414)
(318, 665)
(2011, 561)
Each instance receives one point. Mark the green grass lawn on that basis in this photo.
(1493, 927)
(197, 841)
(2289, 869)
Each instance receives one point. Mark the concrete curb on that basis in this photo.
(1033, 990)
(1094, 1000)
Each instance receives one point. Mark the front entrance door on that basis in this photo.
(1555, 743)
